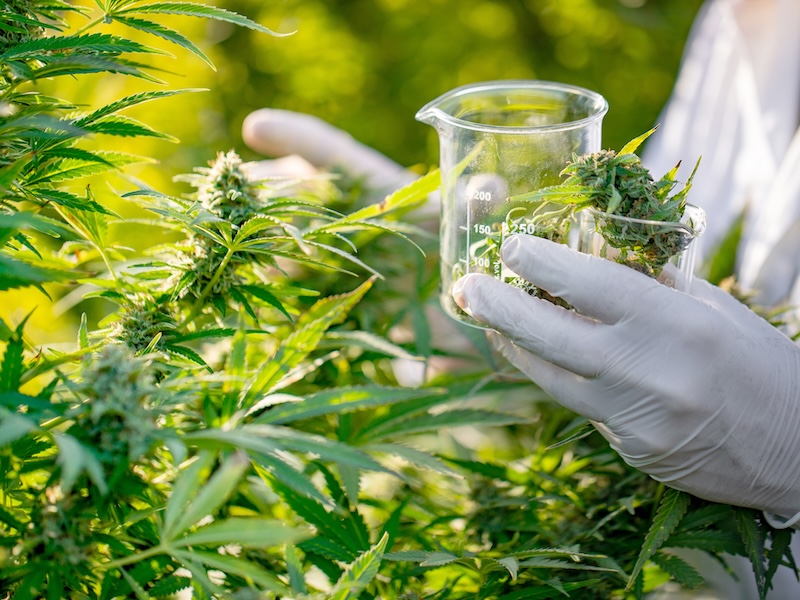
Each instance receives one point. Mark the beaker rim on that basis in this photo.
(433, 108)
(697, 214)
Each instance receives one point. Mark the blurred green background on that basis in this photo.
(367, 66)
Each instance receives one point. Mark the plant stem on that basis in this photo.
(127, 560)
(198, 305)
(90, 24)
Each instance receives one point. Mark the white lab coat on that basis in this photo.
(737, 103)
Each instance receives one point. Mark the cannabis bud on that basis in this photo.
(617, 184)
(22, 25)
(141, 319)
(120, 391)
(225, 190)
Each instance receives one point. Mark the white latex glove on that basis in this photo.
(695, 390)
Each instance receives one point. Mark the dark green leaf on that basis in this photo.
(670, 512)
(753, 535)
(678, 569)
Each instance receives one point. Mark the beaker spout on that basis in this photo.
(429, 114)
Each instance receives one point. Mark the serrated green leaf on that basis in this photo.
(511, 564)
(340, 400)
(414, 456)
(329, 523)
(165, 33)
(633, 145)
(308, 332)
(17, 274)
(211, 496)
(407, 555)
(131, 100)
(247, 532)
(780, 547)
(267, 439)
(70, 200)
(294, 568)
(122, 126)
(272, 468)
(411, 195)
(185, 487)
(13, 363)
(170, 585)
(669, 514)
(236, 566)
(188, 353)
(197, 10)
(360, 573)
(346, 255)
(434, 422)
(262, 293)
(678, 569)
(91, 43)
(69, 169)
(438, 559)
(83, 333)
(753, 536)
(80, 65)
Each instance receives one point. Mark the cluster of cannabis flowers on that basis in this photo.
(141, 319)
(224, 191)
(617, 184)
(122, 397)
(620, 184)
(25, 26)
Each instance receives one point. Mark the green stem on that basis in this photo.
(127, 560)
(89, 25)
(198, 305)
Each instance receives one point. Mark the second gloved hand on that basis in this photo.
(694, 389)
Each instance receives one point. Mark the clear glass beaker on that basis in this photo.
(501, 140)
(660, 249)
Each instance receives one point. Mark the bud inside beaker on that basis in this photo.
(500, 142)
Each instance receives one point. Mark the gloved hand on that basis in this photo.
(276, 132)
(694, 389)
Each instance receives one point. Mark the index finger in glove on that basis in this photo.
(568, 389)
(557, 335)
(276, 132)
(596, 287)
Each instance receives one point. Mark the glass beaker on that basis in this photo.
(501, 140)
(661, 249)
